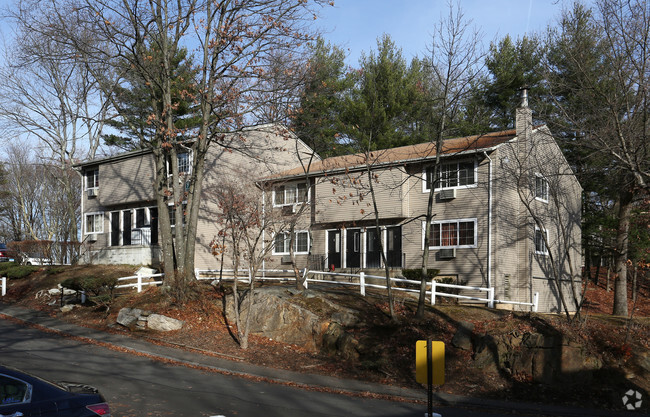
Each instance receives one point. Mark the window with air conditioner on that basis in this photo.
(92, 182)
(290, 194)
(94, 223)
(461, 233)
(281, 243)
(451, 175)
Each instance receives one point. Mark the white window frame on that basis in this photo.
(457, 221)
(545, 188)
(190, 158)
(544, 250)
(95, 213)
(425, 182)
(288, 189)
(285, 249)
(171, 208)
(95, 176)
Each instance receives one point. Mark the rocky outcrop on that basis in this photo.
(300, 318)
(538, 357)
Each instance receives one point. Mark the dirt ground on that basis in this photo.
(387, 346)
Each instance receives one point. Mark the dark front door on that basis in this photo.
(126, 227)
(153, 212)
(353, 248)
(373, 254)
(333, 249)
(394, 246)
(115, 228)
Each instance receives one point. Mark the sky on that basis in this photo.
(355, 25)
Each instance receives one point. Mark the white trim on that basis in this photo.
(542, 177)
(294, 186)
(457, 221)
(425, 188)
(94, 213)
(545, 249)
(295, 241)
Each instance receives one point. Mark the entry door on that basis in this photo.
(353, 248)
(126, 227)
(394, 246)
(115, 228)
(373, 254)
(334, 248)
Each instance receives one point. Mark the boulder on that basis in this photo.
(128, 316)
(163, 323)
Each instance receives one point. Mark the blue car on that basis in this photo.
(24, 395)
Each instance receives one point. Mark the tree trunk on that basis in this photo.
(620, 286)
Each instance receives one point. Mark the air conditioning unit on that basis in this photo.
(447, 194)
(285, 260)
(92, 192)
(447, 253)
(92, 237)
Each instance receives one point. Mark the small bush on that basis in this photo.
(91, 285)
(13, 270)
(415, 274)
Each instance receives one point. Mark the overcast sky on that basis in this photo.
(356, 24)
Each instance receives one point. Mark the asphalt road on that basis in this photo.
(139, 386)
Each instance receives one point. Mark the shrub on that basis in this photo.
(414, 274)
(91, 285)
(13, 270)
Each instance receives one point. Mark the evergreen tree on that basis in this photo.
(140, 98)
(381, 108)
(317, 120)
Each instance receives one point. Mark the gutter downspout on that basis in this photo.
(263, 232)
(489, 237)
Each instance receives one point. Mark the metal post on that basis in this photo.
(362, 283)
(535, 302)
(4, 286)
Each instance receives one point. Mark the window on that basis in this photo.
(14, 391)
(184, 163)
(281, 243)
(285, 195)
(92, 178)
(452, 175)
(541, 188)
(94, 223)
(172, 214)
(540, 246)
(453, 234)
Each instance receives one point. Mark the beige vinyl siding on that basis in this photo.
(126, 181)
(262, 153)
(347, 197)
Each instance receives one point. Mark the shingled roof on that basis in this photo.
(403, 154)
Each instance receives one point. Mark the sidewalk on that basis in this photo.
(345, 386)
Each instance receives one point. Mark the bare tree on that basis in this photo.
(55, 101)
(245, 227)
(454, 63)
(233, 42)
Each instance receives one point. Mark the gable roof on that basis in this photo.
(402, 154)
